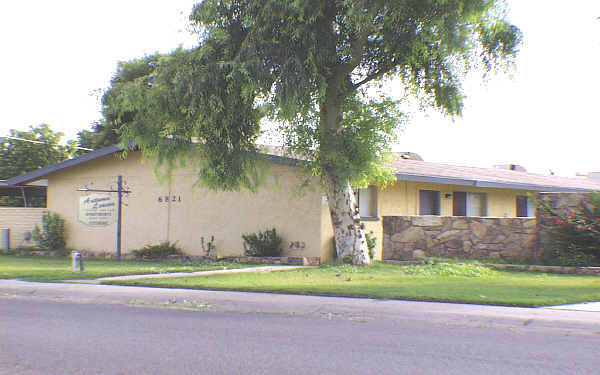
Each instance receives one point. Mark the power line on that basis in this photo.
(44, 143)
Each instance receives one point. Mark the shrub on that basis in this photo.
(208, 247)
(160, 251)
(262, 244)
(575, 235)
(51, 236)
(371, 243)
(568, 255)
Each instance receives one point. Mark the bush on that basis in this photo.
(208, 247)
(262, 244)
(568, 255)
(371, 243)
(160, 251)
(51, 237)
(575, 235)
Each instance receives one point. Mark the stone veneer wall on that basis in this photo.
(406, 237)
(20, 221)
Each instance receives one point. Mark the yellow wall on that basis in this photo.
(326, 232)
(301, 218)
(402, 199)
(200, 213)
(20, 221)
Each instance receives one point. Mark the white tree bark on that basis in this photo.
(349, 233)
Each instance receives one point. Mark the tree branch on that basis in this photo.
(357, 48)
(372, 77)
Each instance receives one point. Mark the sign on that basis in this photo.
(97, 210)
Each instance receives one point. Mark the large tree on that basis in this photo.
(26, 151)
(307, 64)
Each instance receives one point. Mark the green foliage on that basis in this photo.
(208, 247)
(104, 133)
(310, 66)
(371, 243)
(564, 253)
(262, 244)
(18, 157)
(51, 236)
(306, 62)
(448, 269)
(430, 269)
(575, 234)
(160, 251)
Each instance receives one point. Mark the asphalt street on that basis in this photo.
(96, 329)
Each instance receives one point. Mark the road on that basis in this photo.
(91, 329)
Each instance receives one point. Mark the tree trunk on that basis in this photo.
(349, 233)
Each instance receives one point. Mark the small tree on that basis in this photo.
(51, 236)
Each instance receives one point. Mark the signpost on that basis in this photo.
(98, 209)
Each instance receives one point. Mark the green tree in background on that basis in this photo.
(313, 66)
(19, 156)
(106, 132)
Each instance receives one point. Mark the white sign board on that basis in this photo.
(98, 210)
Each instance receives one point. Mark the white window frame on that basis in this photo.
(471, 207)
(366, 200)
(483, 209)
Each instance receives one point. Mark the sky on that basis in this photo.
(57, 56)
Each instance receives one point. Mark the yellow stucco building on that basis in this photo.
(175, 211)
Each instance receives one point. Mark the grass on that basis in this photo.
(56, 269)
(464, 283)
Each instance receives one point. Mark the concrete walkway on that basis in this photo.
(187, 274)
(586, 306)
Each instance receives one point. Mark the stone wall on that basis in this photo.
(20, 221)
(407, 237)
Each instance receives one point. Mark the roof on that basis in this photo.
(404, 169)
(37, 174)
(413, 170)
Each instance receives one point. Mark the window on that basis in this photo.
(429, 202)
(459, 203)
(367, 201)
(469, 204)
(525, 206)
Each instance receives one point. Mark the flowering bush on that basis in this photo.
(575, 233)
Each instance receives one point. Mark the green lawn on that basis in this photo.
(56, 269)
(450, 282)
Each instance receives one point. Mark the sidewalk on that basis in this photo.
(187, 274)
(580, 318)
